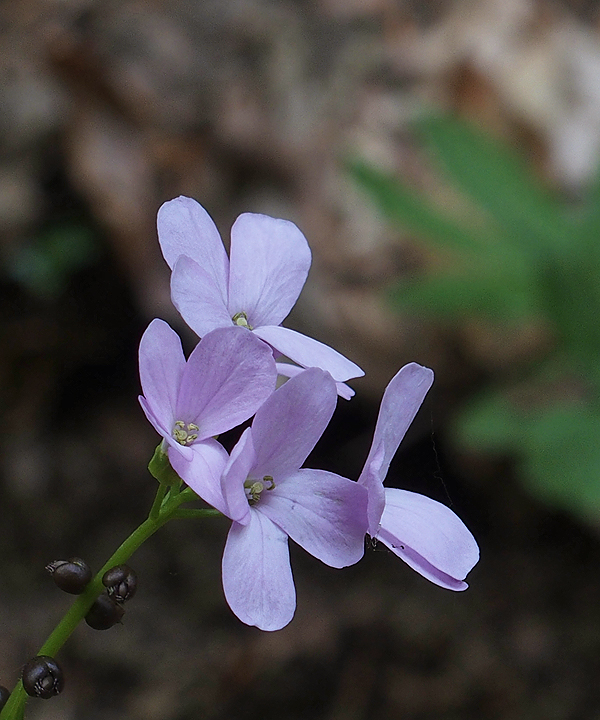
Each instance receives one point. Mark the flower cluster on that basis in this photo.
(236, 305)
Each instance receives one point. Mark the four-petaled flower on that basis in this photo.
(269, 497)
(255, 288)
(427, 535)
(226, 378)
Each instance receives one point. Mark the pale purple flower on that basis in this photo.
(269, 498)
(226, 378)
(256, 287)
(427, 535)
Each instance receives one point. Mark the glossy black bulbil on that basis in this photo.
(120, 582)
(4, 695)
(71, 575)
(104, 613)
(42, 677)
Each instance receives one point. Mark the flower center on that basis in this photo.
(241, 319)
(184, 433)
(254, 488)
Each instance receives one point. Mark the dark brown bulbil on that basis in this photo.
(42, 677)
(104, 613)
(120, 582)
(4, 695)
(71, 575)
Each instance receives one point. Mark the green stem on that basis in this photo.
(190, 513)
(162, 511)
(158, 501)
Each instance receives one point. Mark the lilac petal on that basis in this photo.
(290, 422)
(429, 537)
(308, 352)
(401, 401)
(233, 478)
(185, 228)
(289, 371)
(228, 376)
(161, 367)
(203, 471)
(160, 428)
(324, 513)
(344, 391)
(257, 577)
(370, 479)
(270, 260)
(197, 298)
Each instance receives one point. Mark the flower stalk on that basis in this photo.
(166, 507)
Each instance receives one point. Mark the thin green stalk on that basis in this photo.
(162, 511)
(191, 513)
(158, 501)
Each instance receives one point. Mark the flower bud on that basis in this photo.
(42, 677)
(104, 613)
(71, 575)
(120, 582)
(4, 695)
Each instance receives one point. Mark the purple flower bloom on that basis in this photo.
(255, 288)
(226, 378)
(427, 535)
(269, 498)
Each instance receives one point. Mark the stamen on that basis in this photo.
(254, 488)
(241, 319)
(182, 432)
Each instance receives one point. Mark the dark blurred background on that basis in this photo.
(108, 109)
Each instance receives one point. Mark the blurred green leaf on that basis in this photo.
(589, 216)
(500, 285)
(45, 264)
(401, 205)
(537, 258)
(557, 446)
(572, 303)
(561, 453)
(499, 181)
(464, 295)
(492, 422)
